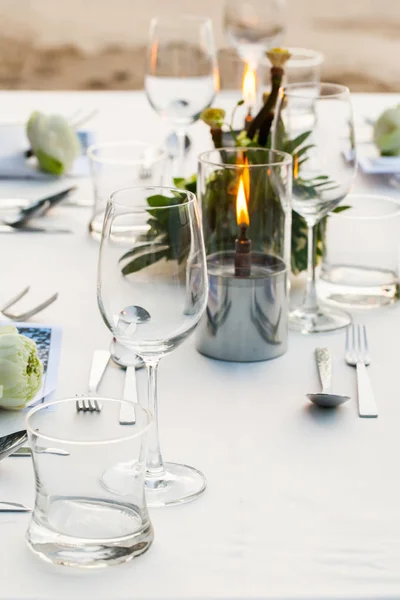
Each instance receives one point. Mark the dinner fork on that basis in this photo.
(24, 316)
(88, 405)
(99, 365)
(357, 355)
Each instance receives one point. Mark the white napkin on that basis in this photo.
(373, 164)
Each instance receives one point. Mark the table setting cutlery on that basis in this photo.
(37, 208)
(24, 316)
(12, 445)
(125, 359)
(325, 398)
(31, 229)
(357, 355)
(13, 507)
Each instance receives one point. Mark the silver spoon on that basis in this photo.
(325, 399)
(11, 442)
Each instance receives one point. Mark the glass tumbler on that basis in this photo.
(361, 261)
(116, 165)
(76, 520)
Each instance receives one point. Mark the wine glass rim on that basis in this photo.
(93, 148)
(287, 158)
(71, 442)
(390, 213)
(190, 197)
(290, 90)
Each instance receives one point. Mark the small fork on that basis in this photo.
(24, 316)
(357, 355)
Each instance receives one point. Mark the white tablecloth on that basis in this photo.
(300, 503)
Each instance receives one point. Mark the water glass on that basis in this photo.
(115, 165)
(76, 520)
(361, 262)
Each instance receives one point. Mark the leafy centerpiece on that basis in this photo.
(222, 185)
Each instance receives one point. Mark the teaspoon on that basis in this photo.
(325, 399)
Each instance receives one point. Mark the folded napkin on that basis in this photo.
(15, 165)
(373, 164)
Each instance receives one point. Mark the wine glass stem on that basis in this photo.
(310, 301)
(181, 135)
(154, 464)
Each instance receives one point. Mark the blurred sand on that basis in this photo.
(99, 44)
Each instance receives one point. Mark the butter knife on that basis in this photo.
(30, 229)
(13, 507)
(127, 415)
(99, 365)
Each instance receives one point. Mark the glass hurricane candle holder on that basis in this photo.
(245, 196)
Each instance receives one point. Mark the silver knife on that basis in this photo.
(30, 229)
(127, 415)
(26, 451)
(13, 507)
(99, 365)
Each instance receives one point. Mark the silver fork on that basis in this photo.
(99, 365)
(24, 316)
(357, 355)
(88, 405)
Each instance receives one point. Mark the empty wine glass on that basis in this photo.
(152, 291)
(181, 72)
(316, 122)
(254, 26)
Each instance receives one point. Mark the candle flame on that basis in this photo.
(296, 167)
(249, 85)
(242, 214)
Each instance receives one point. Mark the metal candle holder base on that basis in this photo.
(247, 317)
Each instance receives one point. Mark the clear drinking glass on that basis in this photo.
(361, 261)
(317, 119)
(152, 292)
(254, 26)
(181, 72)
(76, 520)
(116, 165)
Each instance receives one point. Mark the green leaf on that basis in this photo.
(292, 145)
(138, 250)
(159, 201)
(143, 261)
(340, 209)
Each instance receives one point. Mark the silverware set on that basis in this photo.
(356, 355)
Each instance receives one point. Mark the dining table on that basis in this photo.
(301, 503)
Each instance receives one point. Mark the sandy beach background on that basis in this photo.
(99, 44)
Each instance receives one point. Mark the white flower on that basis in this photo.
(20, 369)
(53, 141)
(387, 132)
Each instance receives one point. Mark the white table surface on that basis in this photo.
(300, 503)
